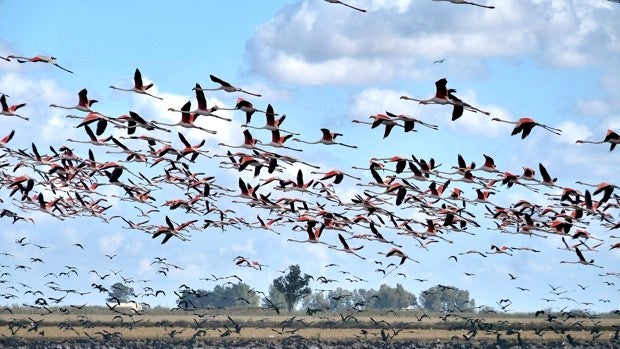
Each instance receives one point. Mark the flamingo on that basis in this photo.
(611, 137)
(190, 149)
(5, 58)
(313, 236)
(267, 225)
(202, 106)
(395, 251)
(606, 188)
(271, 122)
(102, 121)
(246, 107)
(84, 103)
(443, 95)
(582, 260)
(139, 86)
(346, 248)
(277, 141)
(225, 86)
(347, 5)
(188, 118)
(39, 58)
(380, 119)
(525, 126)
(336, 174)
(248, 143)
(134, 120)
(6, 139)
(10, 111)
(467, 3)
(409, 122)
(93, 138)
(169, 230)
(378, 237)
(488, 166)
(328, 138)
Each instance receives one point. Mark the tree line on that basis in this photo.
(289, 291)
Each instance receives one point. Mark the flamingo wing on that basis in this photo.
(343, 241)
(219, 81)
(137, 79)
(83, 99)
(186, 117)
(200, 97)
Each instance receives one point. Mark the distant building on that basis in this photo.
(125, 305)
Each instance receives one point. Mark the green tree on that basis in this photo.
(446, 298)
(274, 300)
(315, 300)
(394, 297)
(293, 286)
(340, 299)
(120, 293)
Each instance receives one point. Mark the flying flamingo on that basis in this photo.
(328, 138)
(246, 107)
(336, 174)
(84, 103)
(138, 87)
(188, 118)
(4, 140)
(92, 138)
(443, 95)
(467, 2)
(395, 251)
(611, 137)
(102, 121)
(134, 120)
(409, 122)
(225, 86)
(39, 58)
(10, 111)
(271, 122)
(248, 143)
(380, 119)
(606, 188)
(525, 126)
(347, 5)
(346, 248)
(582, 260)
(202, 106)
(313, 236)
(277, 141)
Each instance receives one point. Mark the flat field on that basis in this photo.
(227, 325)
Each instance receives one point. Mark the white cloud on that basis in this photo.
(350, 48)
(111, 242)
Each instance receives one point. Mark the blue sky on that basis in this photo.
(324, 65)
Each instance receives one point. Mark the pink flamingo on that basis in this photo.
(188, 118)
(84, 103)
(225, 86)
(328, 138)
(138, 86)
(40, 58)
(10, 111)
(443, 95)
(611, 137)
(346, 248)
(525, 126)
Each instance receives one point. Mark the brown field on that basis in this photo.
(328, 326)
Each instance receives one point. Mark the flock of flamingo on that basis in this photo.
(400, 203)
